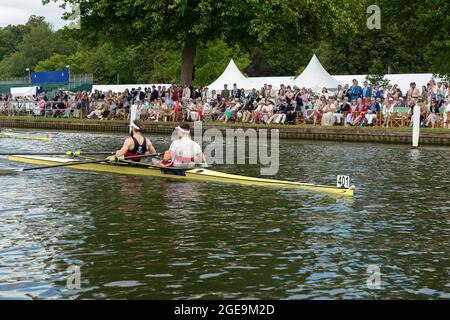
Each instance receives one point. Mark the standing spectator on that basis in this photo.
(173, 91)
(446, 111)
(225, 93)
(325, 93)
(235, 93)
(347, 92)
(186, 95)
(355, 90)
(197, 93)
(298, 96)
(214, 95)
(387, 111)
(270, 93)
(339, 93)
(378, 92)
(413, 92)
(154, 95)
(205, 94)
(424, 94)
(366, 92)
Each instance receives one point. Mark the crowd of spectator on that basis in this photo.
(349, 105)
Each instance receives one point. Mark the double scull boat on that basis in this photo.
(197, 174)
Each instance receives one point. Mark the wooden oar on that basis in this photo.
(70, 164)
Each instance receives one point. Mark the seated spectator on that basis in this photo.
(374, 108)
(434, 111)
(291, 112)
(207, 111)
(317, 108)
(325, 93)
(352, 113)
(267, 110)
(248, 110)
(241, 110)
(98, 112)
(360, 120)
(343, 110)
(328, 111)
(279, 116)
(219, 110)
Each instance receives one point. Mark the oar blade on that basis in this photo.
(10, 172)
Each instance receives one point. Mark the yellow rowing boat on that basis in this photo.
(191, 174)
(8, 135)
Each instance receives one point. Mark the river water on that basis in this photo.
(150, 238)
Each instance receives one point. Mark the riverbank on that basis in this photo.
(302, 132)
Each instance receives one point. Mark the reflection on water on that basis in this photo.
(144, 237)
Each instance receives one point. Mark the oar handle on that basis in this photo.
(119, 159)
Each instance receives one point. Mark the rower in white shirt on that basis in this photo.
(184, 152)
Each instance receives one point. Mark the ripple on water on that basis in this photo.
(136, 237)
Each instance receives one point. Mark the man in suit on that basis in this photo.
(154, 95)
(141, 94)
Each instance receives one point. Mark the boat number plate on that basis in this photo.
(343, 182)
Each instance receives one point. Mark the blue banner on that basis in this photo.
(59, 76)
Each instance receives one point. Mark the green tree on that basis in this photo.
(191, 23)
(10, 36)
(55, 62)
(37, 42)
(213, 58)
(413, 39)
(376, 74)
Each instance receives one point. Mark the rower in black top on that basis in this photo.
(137, 144)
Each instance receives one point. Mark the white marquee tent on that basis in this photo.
(403, 80)
(276, 82)
(316, 77)
(348, 79)
(122, 87)
(24, 91)
(230, 76)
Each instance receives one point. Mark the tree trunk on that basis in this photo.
(187, 62)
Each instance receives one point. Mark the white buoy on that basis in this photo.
(416, 126)
(134, 115)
